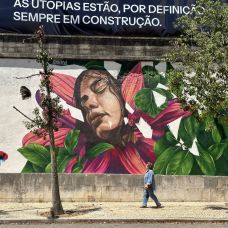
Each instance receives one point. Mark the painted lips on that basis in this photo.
(95, 119)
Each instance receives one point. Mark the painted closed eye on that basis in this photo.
(99, 86)
(83, 100)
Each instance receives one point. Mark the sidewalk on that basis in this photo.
(115, 212)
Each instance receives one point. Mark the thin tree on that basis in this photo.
(201, 81)
(44, 123)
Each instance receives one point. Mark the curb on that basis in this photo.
(69, 221)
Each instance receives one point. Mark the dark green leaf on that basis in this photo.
(71, 141)
(205, 138)
(151, 76)
(163, 160)
(221, 166)
(145, 101)
(217, 150)
(205, 161)
(216, 135)
(37, 169)
(188, 129)
(180, 164)
(28, 168)
(36, 154)
(224, 124)
(163, 143)
(195, 169)
(98, 149)
(225, 152)
(169, 66)
(126, 67)
(93, 64)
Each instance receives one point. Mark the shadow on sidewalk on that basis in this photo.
(74, 212)
(26, 209)
(216, 208)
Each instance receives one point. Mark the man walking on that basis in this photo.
(149, 186)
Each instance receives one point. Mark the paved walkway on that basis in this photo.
(116, 211)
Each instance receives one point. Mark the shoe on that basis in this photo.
(143, 207)
(159, 206)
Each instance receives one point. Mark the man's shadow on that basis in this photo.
(217, 208)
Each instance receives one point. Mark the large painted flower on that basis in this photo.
(133, 156)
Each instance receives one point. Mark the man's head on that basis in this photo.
(149, 165)
(98, 96)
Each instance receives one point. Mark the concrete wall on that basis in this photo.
(86, 47)
(105, 187)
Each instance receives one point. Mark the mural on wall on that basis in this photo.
(118, 116)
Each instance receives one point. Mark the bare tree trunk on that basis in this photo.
(56, 201)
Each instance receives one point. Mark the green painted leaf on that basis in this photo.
(145, 101)
(225, 153)
(163, 143)
(28, 168)
(48, 168)
(169, 66)
(224, 123)
(217, 150)
(37, 169)
(151, 76)
(126, 67)
(205, 161)
(36, 154)
(71, 141)
(165, 93)
(205, 138)
(196, 169)
(95, 64)
(98, 149)
(62, 161)
(77, 167)
(163, 160)
(188, 129)
(216, 135)
(221, 166)
(62, 151)
(180, 164)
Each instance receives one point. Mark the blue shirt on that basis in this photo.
(149, 178)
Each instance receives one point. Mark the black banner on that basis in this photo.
(97, 17)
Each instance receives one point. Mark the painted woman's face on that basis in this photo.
(103, 108)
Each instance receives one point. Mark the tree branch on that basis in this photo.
(22, 114)
(30, 76)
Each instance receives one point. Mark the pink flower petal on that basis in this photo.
(70, 165)
(132, 160)
(171, 113)
(107, 162)
(133, 82)
(63, 86)
(59, 138)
